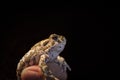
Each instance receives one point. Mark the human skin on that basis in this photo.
(32, 73)
(35, 72)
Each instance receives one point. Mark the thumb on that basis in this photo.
(32, 73)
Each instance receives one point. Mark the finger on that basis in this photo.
(32, 73)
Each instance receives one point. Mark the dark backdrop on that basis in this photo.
(88, 41)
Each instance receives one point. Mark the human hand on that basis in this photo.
(32, 73)
(35, 72)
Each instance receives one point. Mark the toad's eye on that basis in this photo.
(55, 38)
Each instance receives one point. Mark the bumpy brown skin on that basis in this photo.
(35, 73)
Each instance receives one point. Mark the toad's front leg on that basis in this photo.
(62, 63)
(44, 67)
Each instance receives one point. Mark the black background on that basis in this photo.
(87, 30)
